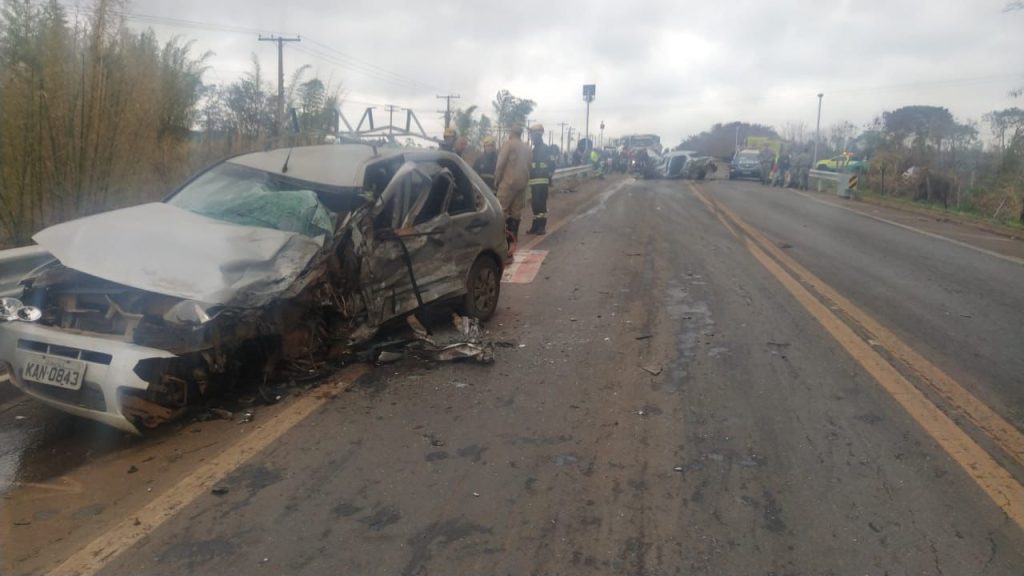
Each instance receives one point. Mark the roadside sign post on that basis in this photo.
(589, 93)
(846, 184)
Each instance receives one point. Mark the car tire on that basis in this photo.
(822, 167)
(483, 287)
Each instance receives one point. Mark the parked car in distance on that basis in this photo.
(841, 162)
(269, 262)
(745, 164)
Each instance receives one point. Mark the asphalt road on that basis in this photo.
(674, 395)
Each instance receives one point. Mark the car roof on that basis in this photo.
(341, 165)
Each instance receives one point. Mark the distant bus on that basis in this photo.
(649, 141)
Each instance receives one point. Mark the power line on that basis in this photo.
(411, 85)
(341, 59)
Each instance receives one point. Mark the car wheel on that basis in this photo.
(483, 286)
(822, 167)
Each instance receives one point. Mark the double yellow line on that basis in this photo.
(865, 345)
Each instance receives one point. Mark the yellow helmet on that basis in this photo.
(538, 127)
(488, 140)
(449, 132)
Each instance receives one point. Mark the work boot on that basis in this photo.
(512, 225)
(539, 226)
(533, 227)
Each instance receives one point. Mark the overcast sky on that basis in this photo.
(670, 67)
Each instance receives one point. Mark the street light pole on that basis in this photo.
(817, 133)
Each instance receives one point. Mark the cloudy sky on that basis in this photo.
(669, 67)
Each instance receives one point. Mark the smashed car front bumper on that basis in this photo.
(110, 366)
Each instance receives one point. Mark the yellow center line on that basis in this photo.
(1005, 434)
(996, 481)
(105, 548)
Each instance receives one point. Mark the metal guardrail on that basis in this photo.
(16, 263)
(825, 175)
(573, 172)
(844, 183)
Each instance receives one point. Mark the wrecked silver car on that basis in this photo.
(263, 265)
(683, 164)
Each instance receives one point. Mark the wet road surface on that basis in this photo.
(661, 404)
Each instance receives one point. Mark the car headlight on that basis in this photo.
(12, 309)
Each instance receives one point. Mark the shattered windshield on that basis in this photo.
(250, 197)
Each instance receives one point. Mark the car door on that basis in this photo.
(406, 256)
(471, 224)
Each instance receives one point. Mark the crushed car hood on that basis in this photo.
(167, 250)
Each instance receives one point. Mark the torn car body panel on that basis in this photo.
(246, 274)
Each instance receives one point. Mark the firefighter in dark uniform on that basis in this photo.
(487, 162)
(541, 170)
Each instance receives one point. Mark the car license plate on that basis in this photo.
(60, 372)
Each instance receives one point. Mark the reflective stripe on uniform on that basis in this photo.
(539, 181)
(540, 216)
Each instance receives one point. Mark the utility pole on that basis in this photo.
(448, 107)
(589, 93)
(391, 115)
(817, 133)
(569, 141)
(561, 138)
(280, 73)
(602, 135)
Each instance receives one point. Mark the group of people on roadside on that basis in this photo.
(512, 171)
(785, 170)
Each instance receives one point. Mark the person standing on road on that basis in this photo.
(542, 168)
(461, 145)
(511, 176)
(487, 163)
(803, 168)
(783, 168)
(448, 143)
(767, 160)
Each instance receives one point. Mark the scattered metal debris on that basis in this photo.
(652, 370)
(220, 490)
(133, 469)
(247, 417)
(222, 414)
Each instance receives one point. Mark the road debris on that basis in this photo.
(133, 469)
(652, 370)
(678, 468)
(247, 417)
(476, 494)
(222, 413)
(220, 490)
(645, 337)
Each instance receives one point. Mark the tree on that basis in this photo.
(510, 110)
(465, 123)
(840, 135)
(924, 124)
(1003, 121)
(92, 116)
(721, 139)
